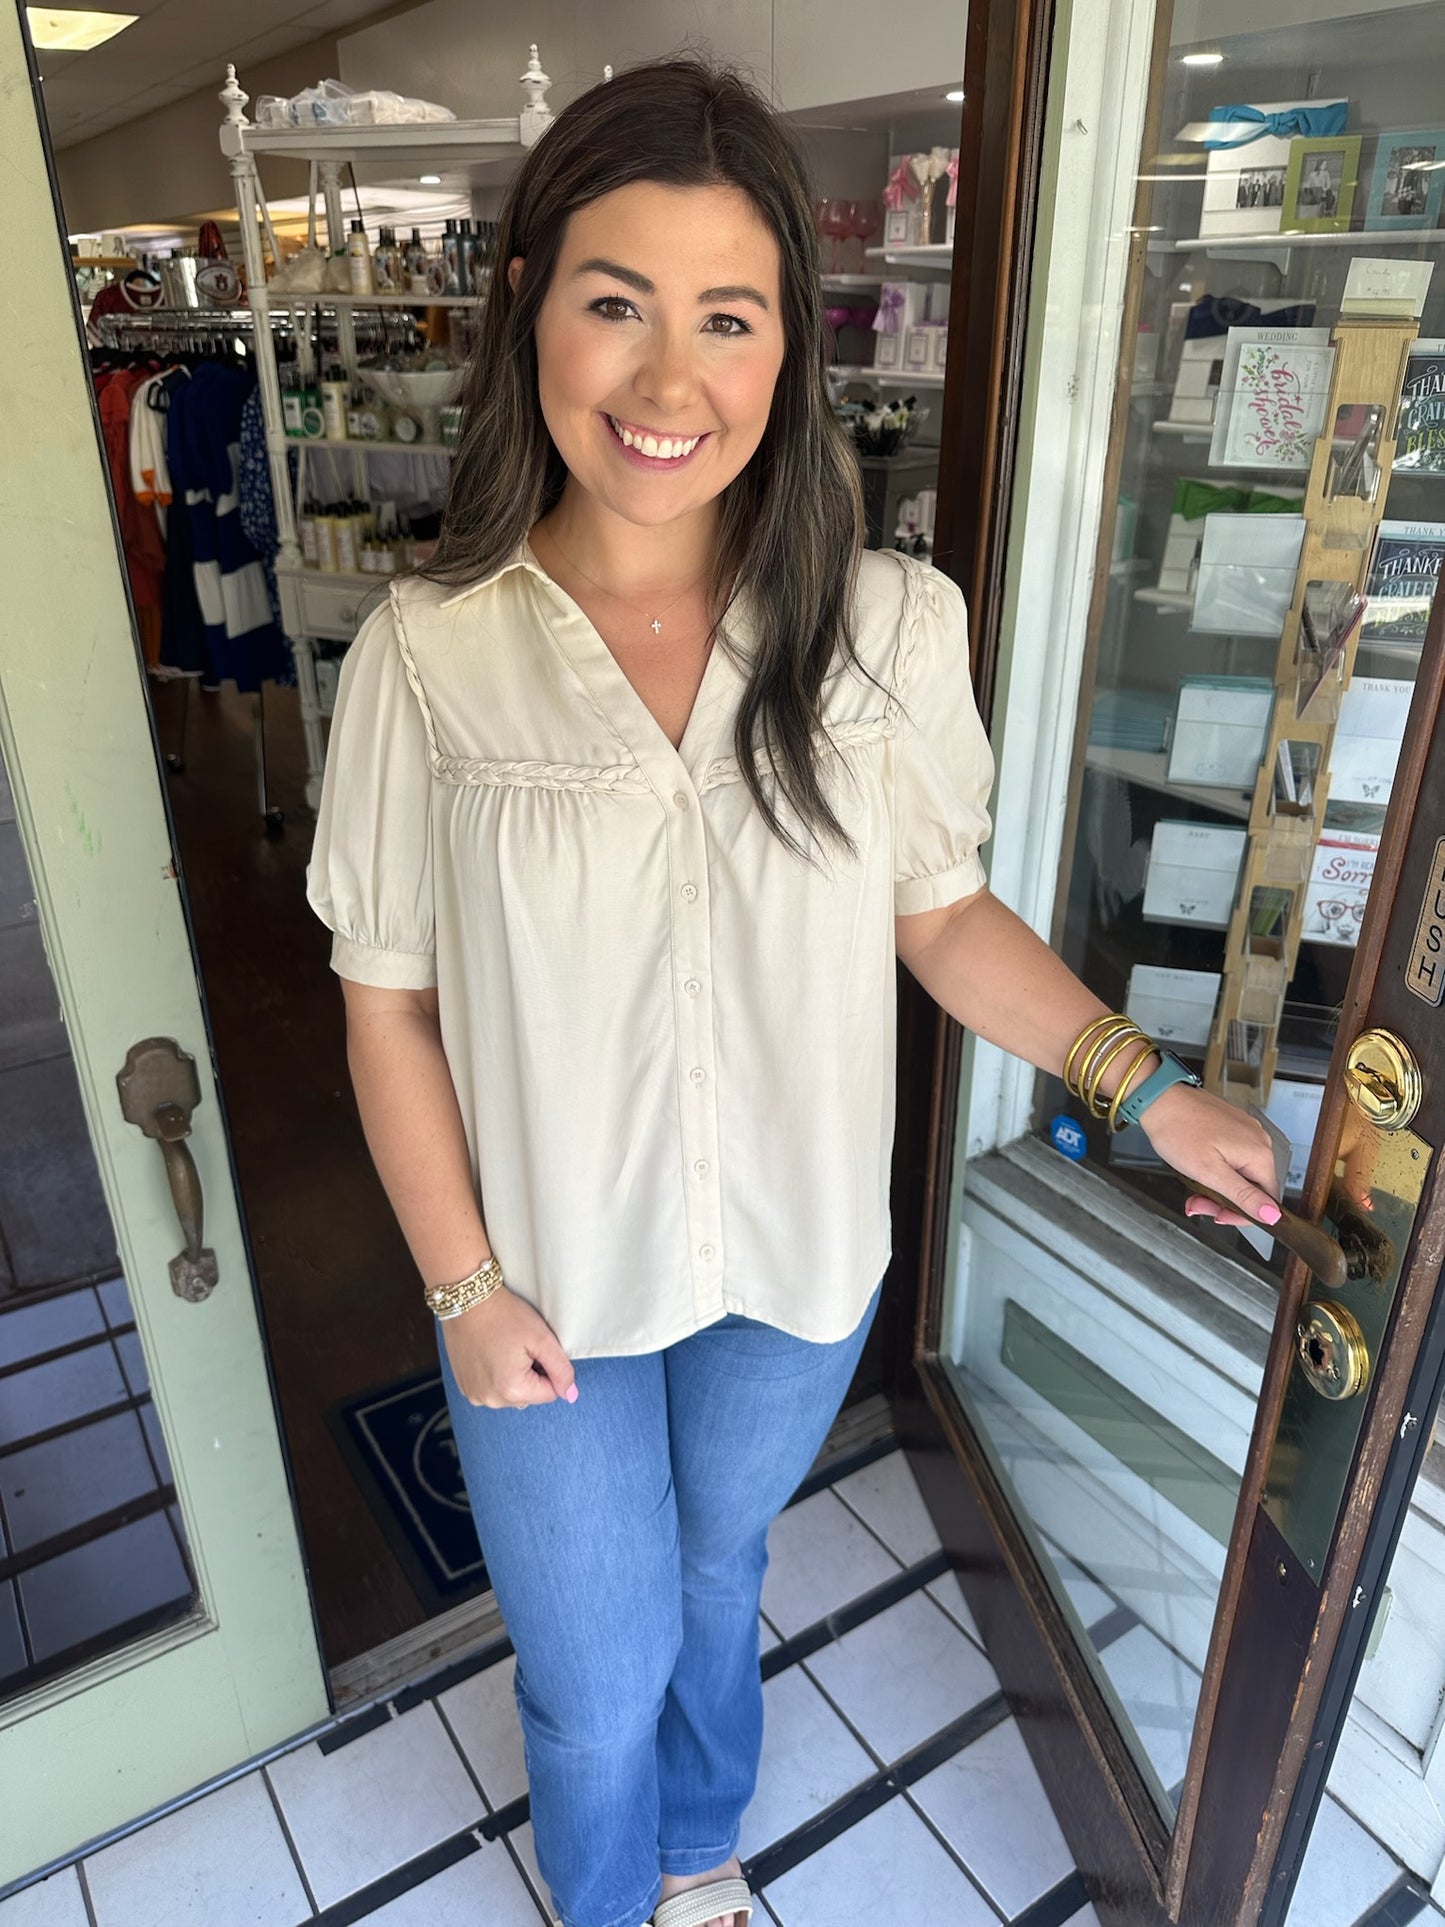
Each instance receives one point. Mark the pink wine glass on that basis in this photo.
(867, 221)
(834, 222)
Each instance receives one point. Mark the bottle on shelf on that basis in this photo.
(452, 285)
(335, 394)
(289, 375)
(358, 255)
(325, 521)
(384, 263)
(306, 530)
(313, 418)
(345, 524)
(417, 264)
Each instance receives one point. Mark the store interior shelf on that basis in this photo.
(1148, 768)
(280, 300)
(352, 447)
(888, 377)
(1360, 237)
(1164, 599)
(932, 254)
(468, 143)
(850, 280)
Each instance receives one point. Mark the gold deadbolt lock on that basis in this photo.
(1383, 1079)
(1332, 1349)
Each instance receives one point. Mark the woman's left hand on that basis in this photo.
(1218, 1145)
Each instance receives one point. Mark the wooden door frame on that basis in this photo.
(1139, 1869)
(1005, 74)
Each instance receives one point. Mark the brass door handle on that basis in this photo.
(159, 1089)
(1310, 1243)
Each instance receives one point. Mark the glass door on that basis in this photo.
(1225, 532)
(155, 1627)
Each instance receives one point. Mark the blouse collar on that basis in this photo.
(520, 558)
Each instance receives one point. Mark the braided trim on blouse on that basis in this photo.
(848, 735)
(540, 776)
(413, 675)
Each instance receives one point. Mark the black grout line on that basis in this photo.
(87, 1342)
(85, 1899)
(401, 1880)
(843, 1467)
(845, 1619)
(1114, 1625)
(286, 1835)
(452, 1674)
(504, 1820)
(515, 1855)
(876, 1791)
(128, 1512)
(1058, 1905)
(461, 1753)
(356, 1728)
(127, 1404)
(1404, 1902)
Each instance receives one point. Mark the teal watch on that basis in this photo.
(1170, 1072)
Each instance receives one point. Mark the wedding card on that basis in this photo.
(1274, 393)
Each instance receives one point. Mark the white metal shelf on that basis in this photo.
(929, 254)
(279, 301)
(1149, 769)
(353, 446)
(851, 280)
(888, 377)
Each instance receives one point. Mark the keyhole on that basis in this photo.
(1316, 1351)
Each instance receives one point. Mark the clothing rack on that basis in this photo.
(191, 333)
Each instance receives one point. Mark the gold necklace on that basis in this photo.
(655, 620)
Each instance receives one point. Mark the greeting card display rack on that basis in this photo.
(1262, 945)
(327, 607)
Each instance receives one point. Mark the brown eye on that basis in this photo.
(612, 307)
(732, 325)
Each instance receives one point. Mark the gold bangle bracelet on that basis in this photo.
(1150, 1050)
(450, 1301)
(1093, 1049)
(1097, 1103)
(1098, 1055)
(1089, 1031)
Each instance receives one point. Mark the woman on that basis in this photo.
(628, 808)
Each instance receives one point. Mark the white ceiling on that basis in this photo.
(178, 47)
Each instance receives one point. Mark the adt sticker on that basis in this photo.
(1068, 1137)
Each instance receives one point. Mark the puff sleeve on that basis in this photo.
(943, 766)
(370, 875)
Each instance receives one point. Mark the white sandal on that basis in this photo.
(699, 1905)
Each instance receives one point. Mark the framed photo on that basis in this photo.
(1319, 189)
(1409, 179)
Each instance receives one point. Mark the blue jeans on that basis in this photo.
(626, 1537)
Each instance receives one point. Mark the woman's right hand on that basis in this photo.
(504, 1353)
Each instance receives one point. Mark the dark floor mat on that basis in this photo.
(397, 1439)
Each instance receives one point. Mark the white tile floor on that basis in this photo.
(399, 1825)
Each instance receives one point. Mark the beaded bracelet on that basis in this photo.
(450, 1301)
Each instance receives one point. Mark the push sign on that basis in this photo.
(1068, 1137)
(1425, 968)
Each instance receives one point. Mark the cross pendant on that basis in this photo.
(656, 627)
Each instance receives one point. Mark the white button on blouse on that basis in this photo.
(503, 817)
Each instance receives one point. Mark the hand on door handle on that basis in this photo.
(1310, 1243)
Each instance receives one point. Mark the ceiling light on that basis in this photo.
(430, 180)
(1202, 60)
(74, 33)
(955, 94)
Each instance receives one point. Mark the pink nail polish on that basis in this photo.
(570, 1395)
(1269, 1214)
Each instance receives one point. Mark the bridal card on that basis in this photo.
(1274, 393)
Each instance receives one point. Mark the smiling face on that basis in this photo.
(659, 342)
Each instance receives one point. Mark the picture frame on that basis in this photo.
(1407, 187)
(1320, 184)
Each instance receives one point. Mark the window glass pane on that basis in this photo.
(1264, 579)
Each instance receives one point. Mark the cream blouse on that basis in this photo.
(672, 1040)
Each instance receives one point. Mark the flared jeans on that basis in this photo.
(626, 1538)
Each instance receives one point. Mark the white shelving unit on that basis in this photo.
(317, 606)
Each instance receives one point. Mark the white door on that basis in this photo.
(229, 1665)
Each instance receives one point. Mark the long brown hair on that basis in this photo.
(791, 523)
